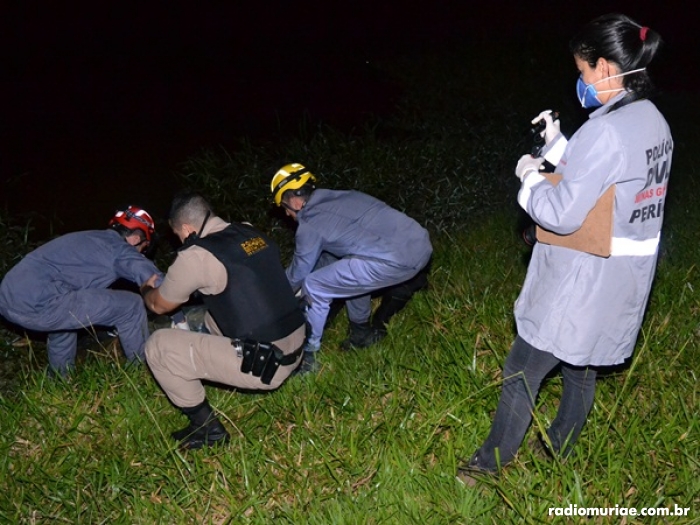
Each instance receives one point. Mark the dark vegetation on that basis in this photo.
(376, 436)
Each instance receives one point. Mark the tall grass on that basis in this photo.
(376, 435)
(17, 241)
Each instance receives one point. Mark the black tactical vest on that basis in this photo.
(258, 302)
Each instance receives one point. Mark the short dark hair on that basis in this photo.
(622, 41)
(125, 232)
(189, 207)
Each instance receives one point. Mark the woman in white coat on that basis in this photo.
(578, 311)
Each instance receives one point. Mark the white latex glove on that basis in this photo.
(528, 165)
(552, 127)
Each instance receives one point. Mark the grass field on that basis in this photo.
(376, 436)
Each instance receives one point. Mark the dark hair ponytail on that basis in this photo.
(622, 41)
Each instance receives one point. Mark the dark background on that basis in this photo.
(102, 100)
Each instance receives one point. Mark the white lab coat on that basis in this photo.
(582, 308)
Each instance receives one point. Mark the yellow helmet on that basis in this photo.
(289, 177)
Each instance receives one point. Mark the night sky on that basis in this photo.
(102, 100)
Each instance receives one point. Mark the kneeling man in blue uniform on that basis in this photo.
(349, 245)
(63, 286)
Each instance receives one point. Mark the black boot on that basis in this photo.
(396, 298)
(361, 335)
(337, 306)
(389, 307)
(204, 429)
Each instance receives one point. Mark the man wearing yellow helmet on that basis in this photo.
(349, 245)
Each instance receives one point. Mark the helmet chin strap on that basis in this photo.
(288, 207)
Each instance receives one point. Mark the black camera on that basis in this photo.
(538, 140)
(529, 234)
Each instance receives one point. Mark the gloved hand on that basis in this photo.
(527, 165)
(184, 325)
(552, 126)
(179, 321)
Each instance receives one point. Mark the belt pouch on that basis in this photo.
(273, 363)
(249, 352)
(261, 358)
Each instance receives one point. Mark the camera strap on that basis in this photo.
(627, 99)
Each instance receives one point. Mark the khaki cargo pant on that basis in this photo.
(180, 360)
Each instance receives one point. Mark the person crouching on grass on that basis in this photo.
(63, 287)
(349, 245)
(255, 327)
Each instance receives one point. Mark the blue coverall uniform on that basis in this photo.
(62, 287)
(375, 246)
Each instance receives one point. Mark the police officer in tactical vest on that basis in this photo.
(256, 329)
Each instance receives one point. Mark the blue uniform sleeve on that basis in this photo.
(135, 267)
(306, 253)
(592, 157)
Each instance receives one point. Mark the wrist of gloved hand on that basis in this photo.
(528, 165)
(529, 180)
(554, 150)
(527, 173)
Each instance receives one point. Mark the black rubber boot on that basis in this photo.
(204, 429)
(337, 306)
(389, 307)
(308, 365)
(396, 298)
(361, 335)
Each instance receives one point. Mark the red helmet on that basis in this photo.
(135, 218)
